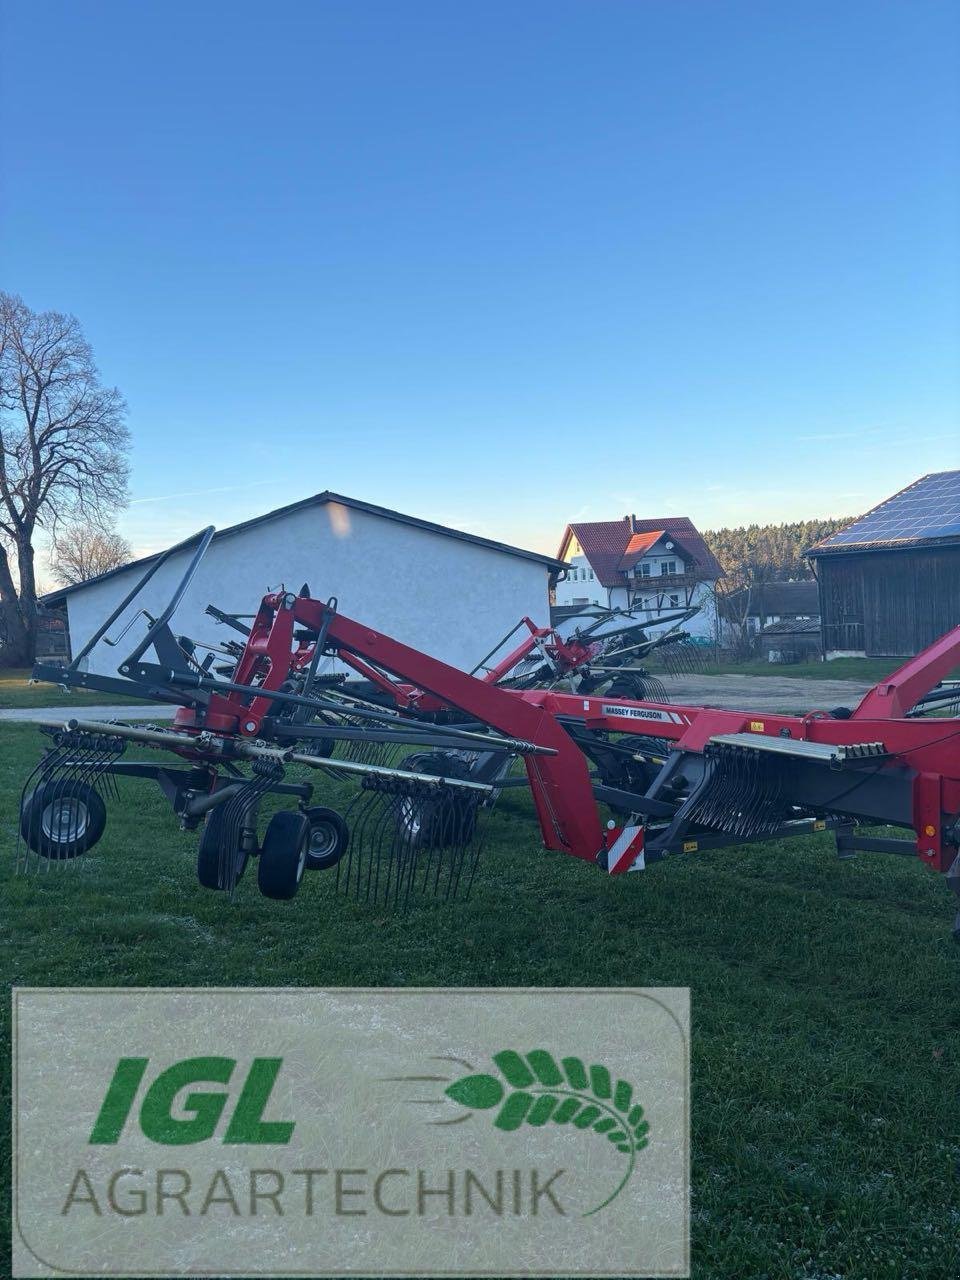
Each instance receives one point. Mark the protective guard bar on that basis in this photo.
(205, 537)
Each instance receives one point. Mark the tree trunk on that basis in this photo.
(20, 607)
(20, 643)
(15, 644)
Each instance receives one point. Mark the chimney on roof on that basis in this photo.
(633, 523)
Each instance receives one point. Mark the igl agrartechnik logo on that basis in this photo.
(523, 1092)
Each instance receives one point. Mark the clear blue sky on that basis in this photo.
(501, 265)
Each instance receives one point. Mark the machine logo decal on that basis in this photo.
(643, 713)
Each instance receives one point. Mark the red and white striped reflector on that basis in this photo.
(626, 853)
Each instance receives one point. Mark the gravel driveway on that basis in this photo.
(765, 693)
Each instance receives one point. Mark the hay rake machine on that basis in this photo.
(620, 783)
(589, 653)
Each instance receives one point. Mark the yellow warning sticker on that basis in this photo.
(756, 726)
(819, 825)
(690, 846)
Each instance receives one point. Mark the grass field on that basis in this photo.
(17, 691)
(826, 1002)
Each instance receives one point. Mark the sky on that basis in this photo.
(499, 265)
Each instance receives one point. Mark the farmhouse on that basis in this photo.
(449, 593)
(890, 582)
(652, 566)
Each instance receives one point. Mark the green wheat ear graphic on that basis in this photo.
(535, 1090)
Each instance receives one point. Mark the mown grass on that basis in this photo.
(17, 691)
(826, 1002)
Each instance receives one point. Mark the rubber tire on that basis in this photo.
(48, 793)
(208, 851)
(283, 855)
(332, 824)
(438, 825)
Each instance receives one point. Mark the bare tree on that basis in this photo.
(84, 551)
(742, 586)
(63, 444)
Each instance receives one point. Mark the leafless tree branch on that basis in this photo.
(63, 448)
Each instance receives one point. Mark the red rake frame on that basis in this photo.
(920, 758)
(699, 776)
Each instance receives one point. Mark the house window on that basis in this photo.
(668, 566)
(643, 569)
(674, 602)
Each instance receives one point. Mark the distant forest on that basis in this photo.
(770, 552)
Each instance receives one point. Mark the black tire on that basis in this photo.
(62, 818)
(209, 871)
(329, 838)
(283, 855)
(436, 822)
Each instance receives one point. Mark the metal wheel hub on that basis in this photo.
(64, 821)
(323, 840)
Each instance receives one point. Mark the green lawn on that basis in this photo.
(17, 691)
(826, 1016)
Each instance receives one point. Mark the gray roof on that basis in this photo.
(319, 500)
(791, 626)
(925, 513)
(778, 598)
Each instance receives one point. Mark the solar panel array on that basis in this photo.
(929, 508)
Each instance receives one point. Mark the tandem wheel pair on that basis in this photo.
(64, 818)
(295, 842)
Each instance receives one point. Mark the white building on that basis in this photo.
(652, 567)
(450, 594)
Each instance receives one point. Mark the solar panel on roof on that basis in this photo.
(929, 508)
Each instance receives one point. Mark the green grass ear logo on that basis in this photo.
(535, 1090)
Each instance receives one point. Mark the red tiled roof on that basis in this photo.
(638, 546)
(605, 544)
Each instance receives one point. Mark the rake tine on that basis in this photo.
(409, 837)
(47, 763)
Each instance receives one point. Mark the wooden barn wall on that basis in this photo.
(896, 602)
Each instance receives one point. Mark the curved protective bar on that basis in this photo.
(171, 607)
(98, 635)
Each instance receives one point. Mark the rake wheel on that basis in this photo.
(211, 869)
(329, 837)
(283, 854)
(63, 818)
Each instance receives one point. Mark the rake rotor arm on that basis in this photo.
(561, 785)
(892, 698)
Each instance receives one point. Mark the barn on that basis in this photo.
(449, 593)
(889, 583)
